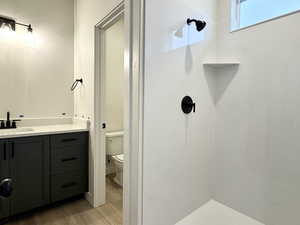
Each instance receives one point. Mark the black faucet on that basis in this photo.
(8, 124)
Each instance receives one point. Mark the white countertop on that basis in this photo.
(42, 130)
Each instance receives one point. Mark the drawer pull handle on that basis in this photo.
(68, 185)
(69, 139)
(69, 159)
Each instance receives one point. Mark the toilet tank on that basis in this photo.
(114, 143)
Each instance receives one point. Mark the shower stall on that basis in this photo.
(236, 159)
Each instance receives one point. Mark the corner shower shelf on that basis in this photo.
(221, 64)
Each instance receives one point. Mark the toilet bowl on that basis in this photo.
(118, 161)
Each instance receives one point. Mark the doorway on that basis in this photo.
(113, 110)
(133, 14)
(110, 101)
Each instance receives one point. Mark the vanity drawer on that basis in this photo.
(70, 158)
(62, 140)
(67, 185)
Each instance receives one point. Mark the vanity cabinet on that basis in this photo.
(29, 162)
(69, 165)
(43, 169)
(4, 173)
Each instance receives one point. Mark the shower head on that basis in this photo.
(200, 25)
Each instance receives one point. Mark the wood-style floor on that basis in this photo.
(79, 212)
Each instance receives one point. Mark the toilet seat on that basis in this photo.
(119, 158)
(118, 161)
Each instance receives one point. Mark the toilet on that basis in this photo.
(114, 149)
(118, 161)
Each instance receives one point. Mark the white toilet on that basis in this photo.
(114, 148)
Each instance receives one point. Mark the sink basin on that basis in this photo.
(24, 129)
(17, 130)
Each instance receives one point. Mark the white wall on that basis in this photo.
(88, 14)
(258, 123)
(114, 79)
(177, 148)
(36, 73)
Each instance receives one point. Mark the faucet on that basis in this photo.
(8, 124)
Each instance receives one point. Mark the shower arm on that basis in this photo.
(189, 21)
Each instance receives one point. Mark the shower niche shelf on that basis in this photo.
(219, 74)
(221, 64)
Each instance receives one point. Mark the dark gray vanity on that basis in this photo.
(43, 170)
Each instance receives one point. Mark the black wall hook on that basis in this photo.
(74, 85)
(200, 25)
(188, 105)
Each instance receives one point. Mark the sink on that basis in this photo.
(17, 130)
(24, 129)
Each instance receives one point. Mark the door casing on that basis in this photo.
(133, 12)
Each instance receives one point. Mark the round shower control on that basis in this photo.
(188, 105)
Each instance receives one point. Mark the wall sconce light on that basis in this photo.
(10, 24)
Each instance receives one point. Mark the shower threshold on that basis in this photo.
(215, 213)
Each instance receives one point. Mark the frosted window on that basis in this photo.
(250, 12)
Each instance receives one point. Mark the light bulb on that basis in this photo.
(5, 27)
(6, 32)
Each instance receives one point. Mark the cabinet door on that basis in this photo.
(29, 164)
(4, 173)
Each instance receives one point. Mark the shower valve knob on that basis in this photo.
(188, 105)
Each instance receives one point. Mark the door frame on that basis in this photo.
(99, 102)
(133, 12)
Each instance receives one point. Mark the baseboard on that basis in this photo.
(89, 198)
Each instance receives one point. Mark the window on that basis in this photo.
(249, 12)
